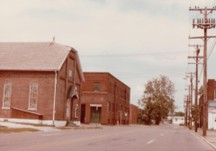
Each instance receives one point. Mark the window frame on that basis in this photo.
(4, 106)
(35, 86)
(96, 87)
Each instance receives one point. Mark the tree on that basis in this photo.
(157, 100)
(194, 113)
(179, 113)
(200, 92)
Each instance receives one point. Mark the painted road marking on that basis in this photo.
(151, 141)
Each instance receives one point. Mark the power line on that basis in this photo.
(204, 23)
(212, 48)
(134, 54)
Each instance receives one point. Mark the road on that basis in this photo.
(109, 138)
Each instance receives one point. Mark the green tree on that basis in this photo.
(200, 91)
(194, 113)
(179, 113)
(157, 100)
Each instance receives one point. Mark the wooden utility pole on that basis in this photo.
(204, 23)
(190, 98)
(186, 111)
(197, 57)
(196, 89)
(189, 106)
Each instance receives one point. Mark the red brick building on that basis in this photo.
(39, 83)
(105, 99)
(211, 96)
(134, 111)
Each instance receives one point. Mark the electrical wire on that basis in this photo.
(212, 48)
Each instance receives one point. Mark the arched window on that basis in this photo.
(7, 93)
(33, 96)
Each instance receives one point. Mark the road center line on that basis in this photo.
(151, 141)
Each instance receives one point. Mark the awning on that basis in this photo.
(72, 92)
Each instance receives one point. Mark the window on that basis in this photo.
(96, 86)
(70, 73)
(7, 92)
(33, 95)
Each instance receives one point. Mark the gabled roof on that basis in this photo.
(34, 56)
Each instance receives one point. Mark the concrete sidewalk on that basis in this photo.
(210, 138)
(17, 125)
(49, 128)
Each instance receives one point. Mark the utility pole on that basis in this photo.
(204, 23)
(196, 89)
(186, 111)
(189, 106)
(196, 85)
(190, 98)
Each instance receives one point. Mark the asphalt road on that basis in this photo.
(109, 138)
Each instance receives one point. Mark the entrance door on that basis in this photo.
(68, 110)
(83, 108)
(95, 114)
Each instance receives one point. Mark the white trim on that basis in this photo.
(7, 83)
(44, 122)
(76, 112)
(5, 108)
(95, 105)
(33, 84)
(76, 123)
(54, 98)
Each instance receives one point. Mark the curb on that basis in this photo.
(203, 138)
(208, 142)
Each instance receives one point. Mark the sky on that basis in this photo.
(134, 40)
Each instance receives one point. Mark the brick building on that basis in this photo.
(134, 111)
(39, 83)
(105, 99)
(211, 97)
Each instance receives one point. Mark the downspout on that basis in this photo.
(54, 98)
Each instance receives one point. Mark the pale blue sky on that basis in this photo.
(135, 40)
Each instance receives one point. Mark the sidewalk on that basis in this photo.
(49, 128)
(210, 138)
(40, 128)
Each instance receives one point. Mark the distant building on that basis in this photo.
(105, 99)
(134, 111)
(212, 114)
(178, 120)
(39, 83)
